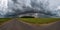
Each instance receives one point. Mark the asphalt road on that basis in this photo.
(17, 25)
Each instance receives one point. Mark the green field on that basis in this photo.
(32, 20)
(2, 20)
(39, 20)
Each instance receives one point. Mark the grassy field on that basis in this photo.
(2, 20)
(39, 20)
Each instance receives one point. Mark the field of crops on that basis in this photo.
(2, 20)
(39, 20)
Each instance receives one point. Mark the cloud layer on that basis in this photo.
(14, 8)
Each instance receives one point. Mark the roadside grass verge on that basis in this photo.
(39, 20)
(2, 20)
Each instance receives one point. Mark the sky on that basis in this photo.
(43, 8)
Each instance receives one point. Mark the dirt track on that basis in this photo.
(17, 25)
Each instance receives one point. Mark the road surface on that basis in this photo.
(17, 25)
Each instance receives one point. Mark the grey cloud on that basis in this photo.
(46, 7)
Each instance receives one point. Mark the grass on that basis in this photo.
(2, 20)
(39, 20)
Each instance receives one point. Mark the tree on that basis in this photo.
(27, 17)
